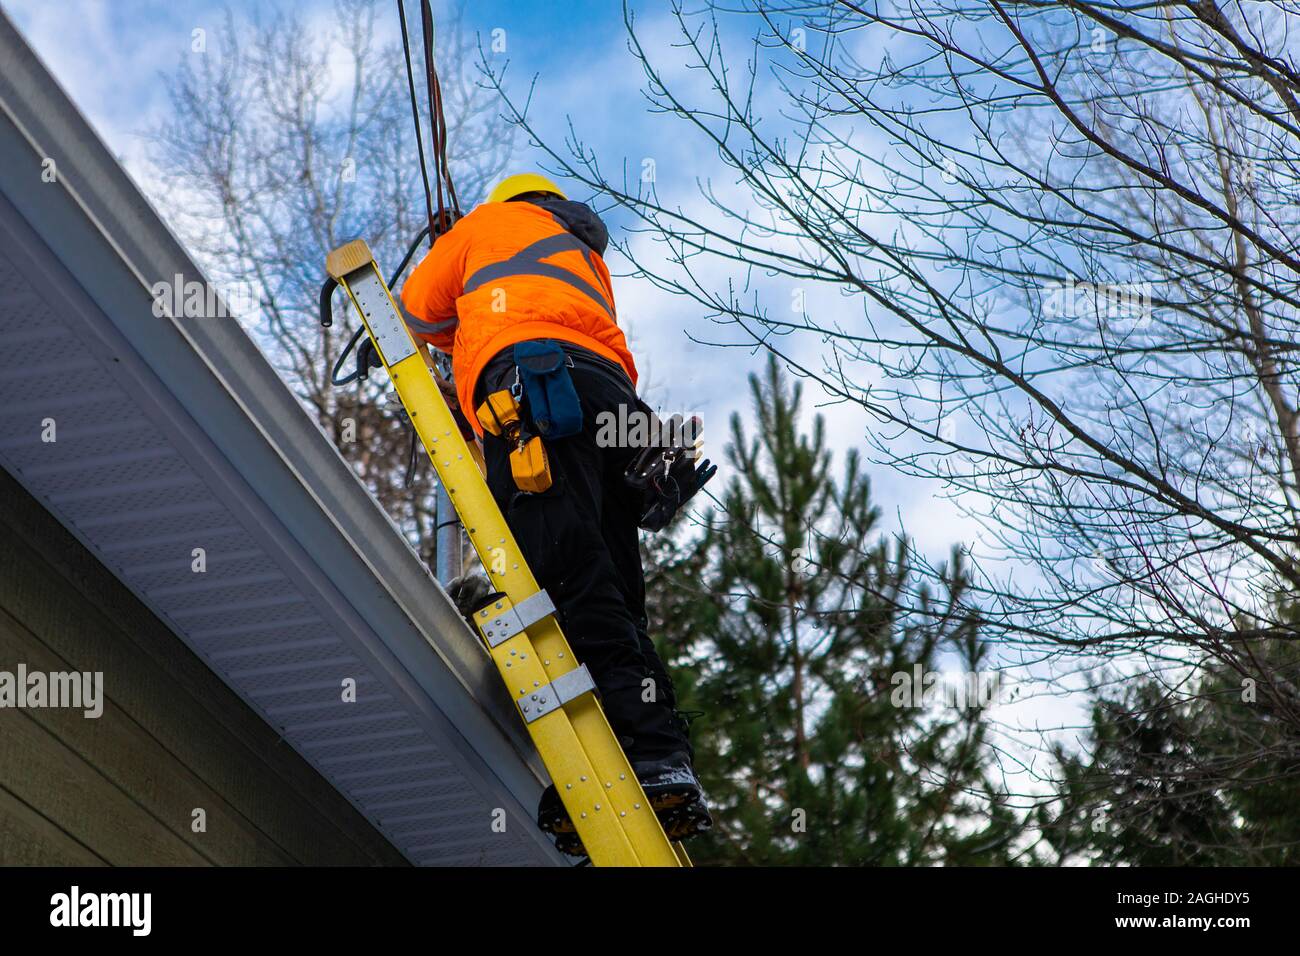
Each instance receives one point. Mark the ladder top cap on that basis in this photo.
(348, 258)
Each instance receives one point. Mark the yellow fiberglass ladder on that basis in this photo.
(554, 694)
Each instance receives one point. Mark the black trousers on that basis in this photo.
(580, 538)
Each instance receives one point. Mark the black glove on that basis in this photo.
(471, 593)
(684, 478)
(667, 478)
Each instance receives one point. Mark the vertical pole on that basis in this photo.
(447, 540)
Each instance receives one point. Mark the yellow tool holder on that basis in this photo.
(554, 694)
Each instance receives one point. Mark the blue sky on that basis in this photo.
(110, 57)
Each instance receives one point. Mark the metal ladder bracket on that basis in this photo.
(556, 694)
(511, 619)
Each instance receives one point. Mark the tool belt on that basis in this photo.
(500, 415)
(667, 474)
(543, 383)
(542, 372)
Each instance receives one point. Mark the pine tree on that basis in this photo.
(787, 621)
(1147, 789)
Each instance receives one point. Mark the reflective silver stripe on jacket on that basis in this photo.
(527, 262)
(427, 328)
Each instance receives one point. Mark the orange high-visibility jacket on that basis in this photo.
(505, 273)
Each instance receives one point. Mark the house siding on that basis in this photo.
(123, 789)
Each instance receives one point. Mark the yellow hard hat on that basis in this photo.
(517, 185)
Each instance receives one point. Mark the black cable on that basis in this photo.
(438, 146)
(415, 116)
(327, 316)
(326, 292)
(347, 350)
(435, 111)
(410, 251)
(410, 459)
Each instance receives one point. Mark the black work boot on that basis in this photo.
(670, 786)
(675, 795)
(551, 815)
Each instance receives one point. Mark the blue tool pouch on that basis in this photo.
(548, 388)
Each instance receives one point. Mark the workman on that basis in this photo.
(517, 293)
